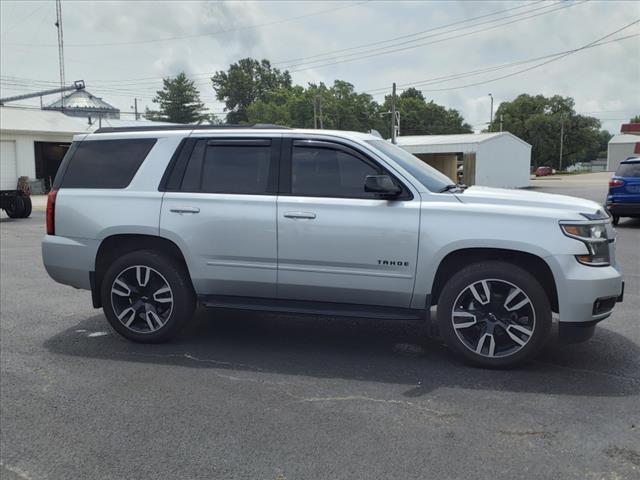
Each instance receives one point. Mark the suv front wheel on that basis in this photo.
(494, 314)
(147, 297)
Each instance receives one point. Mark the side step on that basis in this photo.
(311, 308)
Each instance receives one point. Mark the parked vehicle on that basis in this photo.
(15, 197)
(623, 199)
(155, 221)
(543, 171)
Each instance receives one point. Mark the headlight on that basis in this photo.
(594, 236)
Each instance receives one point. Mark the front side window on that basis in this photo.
(326, 172)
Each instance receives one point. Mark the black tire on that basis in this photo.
(534, 316)
(141, 299)
(615, 220)
(16, 207)
(26, 202)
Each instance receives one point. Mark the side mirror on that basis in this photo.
(381, 184)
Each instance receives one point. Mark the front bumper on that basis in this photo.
(580, 286)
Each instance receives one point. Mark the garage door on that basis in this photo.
(8, 169)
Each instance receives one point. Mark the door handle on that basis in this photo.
(304, 215)
(182, 210)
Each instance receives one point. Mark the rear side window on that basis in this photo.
(105, 163)
(229, 166)
(628, 170)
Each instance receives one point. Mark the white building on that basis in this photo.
(621, 147)
(497, 159)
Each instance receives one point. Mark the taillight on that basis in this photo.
(51, 212)
(616, 182)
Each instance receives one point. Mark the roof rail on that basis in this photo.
(152, 128)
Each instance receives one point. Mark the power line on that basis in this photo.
(184, 37)
(571, 52)
(454, 76)
(388, 50)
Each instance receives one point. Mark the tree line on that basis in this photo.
(253, 91)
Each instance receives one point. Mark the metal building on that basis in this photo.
(497, 159)
(621, 147)
(81, 103)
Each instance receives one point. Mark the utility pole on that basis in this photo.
(561, 141)
(491, 116)
(315, 112)
(135, 109)
(500, 122)
(58, 24)
(398, 123)
(393, 113)
(320, 111)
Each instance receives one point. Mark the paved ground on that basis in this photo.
(260, 396)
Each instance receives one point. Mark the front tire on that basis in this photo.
(16, 207)
(147, 297)
(494, 314)
(27, 206)
(615, 220)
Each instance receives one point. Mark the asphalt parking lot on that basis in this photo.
(264, 396)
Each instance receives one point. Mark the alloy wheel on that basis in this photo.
(493, 318)
(142, 299)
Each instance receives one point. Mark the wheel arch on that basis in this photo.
(458, 259)
(115, 246)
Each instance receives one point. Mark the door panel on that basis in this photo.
(353, 251)
(230, 243)
(336, 241)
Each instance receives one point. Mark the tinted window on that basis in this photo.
(236, 169)
(105, 163)
(628, 170)
(431, 178)
(325, 172)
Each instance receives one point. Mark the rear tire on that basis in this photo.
(16, 207)
(26, 202)
(494, 314)
(147, 297)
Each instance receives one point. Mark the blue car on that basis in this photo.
(623, 199)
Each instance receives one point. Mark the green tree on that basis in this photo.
(179, 102)
(635, 119)
(419, 117)
(538, 120)
(246, 82)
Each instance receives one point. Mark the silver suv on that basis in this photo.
(155, 221)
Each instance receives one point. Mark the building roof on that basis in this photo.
(624, 138)
(465, 143)
(82, 100)
(29, 120)
(633, 128)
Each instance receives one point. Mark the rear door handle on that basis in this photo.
(182, 210)
(305, 215)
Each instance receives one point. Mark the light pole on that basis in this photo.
(491, 117)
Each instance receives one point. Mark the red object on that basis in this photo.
(543, 171)
(51, 212)
(616, 182)
(637, 149)
(630, 128)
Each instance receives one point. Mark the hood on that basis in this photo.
(525, 198)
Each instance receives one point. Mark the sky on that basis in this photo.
(454, 51)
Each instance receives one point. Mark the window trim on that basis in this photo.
(287, 159)
(183, 156)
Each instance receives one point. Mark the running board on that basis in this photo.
(311, 308)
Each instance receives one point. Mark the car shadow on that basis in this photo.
(629, 223)
(359, 349)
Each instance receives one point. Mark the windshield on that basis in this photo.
(628, 170)
(428, 176)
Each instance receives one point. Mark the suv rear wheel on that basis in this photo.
(147, 297)
(494, 314)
